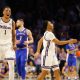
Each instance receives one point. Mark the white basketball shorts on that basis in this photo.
(49, 62)
(6, 51)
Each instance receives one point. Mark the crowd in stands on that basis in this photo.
(65, 16)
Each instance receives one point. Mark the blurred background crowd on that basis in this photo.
(65, 14)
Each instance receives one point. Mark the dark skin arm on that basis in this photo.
(58, 42)
(30, 37)
(31, 40)
(38, 47)
(13, 35)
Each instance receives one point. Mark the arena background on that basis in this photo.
(65, 14)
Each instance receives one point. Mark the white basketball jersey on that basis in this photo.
(48, 45)
(5, 32)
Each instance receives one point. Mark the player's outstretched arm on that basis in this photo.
(58, 42)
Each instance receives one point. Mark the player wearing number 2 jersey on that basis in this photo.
(7, 40)
(23, 38)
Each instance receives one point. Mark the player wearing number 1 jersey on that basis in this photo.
(7, 40)
(23, 38)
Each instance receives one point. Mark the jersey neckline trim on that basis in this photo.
(4, 21)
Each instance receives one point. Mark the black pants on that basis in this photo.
(38, 69)
(62, 62)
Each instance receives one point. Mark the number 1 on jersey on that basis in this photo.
(5, 32)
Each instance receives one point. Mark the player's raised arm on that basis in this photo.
(13, 35)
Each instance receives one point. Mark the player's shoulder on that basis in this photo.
(28, 31)
(47, 33)
(0, 17)
(12, 20)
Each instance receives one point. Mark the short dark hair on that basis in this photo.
(20, 19)
(5, 7)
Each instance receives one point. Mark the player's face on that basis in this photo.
(51, 25)
(7, 12)
(18, 23)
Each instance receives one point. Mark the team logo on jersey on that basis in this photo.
(20, 33)
(4, 27)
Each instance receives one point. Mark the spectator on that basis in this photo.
(62, 58)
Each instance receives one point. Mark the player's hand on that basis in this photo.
(17, 41)
(14, 47)
(26, 42)
(36, 55)
(73, 41)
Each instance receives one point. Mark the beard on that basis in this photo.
(17, 27)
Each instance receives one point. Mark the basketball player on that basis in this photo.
(71, 50)
(23, 38)
(48, 57)
(7, 40)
